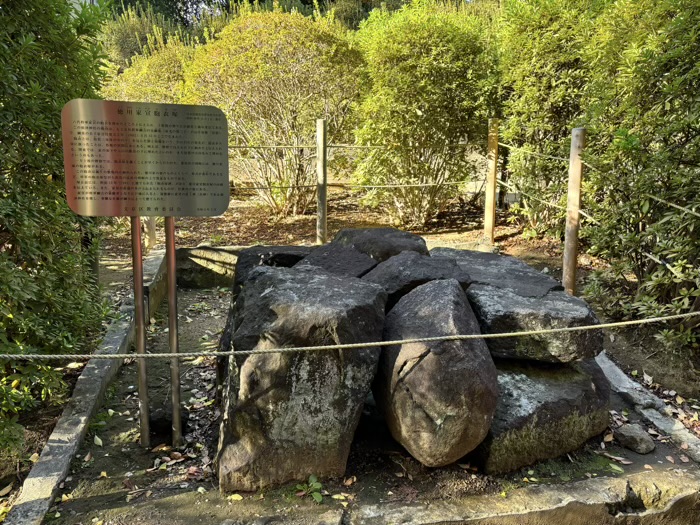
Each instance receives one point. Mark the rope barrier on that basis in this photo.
(533, 153)
(559, 207)
(351, 346)
(342, 146)
(681, 208)
(349, 186)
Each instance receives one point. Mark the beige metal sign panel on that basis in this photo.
(144, 159)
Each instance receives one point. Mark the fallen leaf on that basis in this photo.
(684, 458)
(398, 474)
(680, 400)
(149, 493)
(349, 481)
(34, 457)
(160, 448)
(233, 497)
(635, 373)
(88, 457)
(175, 455)
(97, 441)
(6, 490)
(66, 497)
(648, 467)
(103, 474)
(202, 490)
(338, 497)
(129, 484)
(616, 468)
(684, 446)
(608, 437)
(110, 412)
(648, 380)
(344, 503)
(670, 459)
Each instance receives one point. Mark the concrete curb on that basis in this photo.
(41, 486)
(651, 408)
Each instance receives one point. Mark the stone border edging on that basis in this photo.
(598, 500)
(651, 408)
(41, 485)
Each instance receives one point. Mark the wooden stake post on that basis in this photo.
(322, 181)
(490, 197)
(573, 206)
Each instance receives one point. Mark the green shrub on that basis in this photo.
(129, 32)
(643, 110)
(431, 86)
(49, 55)
(273, 74)
(157, 76)
(544, 77)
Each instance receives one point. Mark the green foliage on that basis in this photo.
(49, 55)
(645, 146)
(351, 12)
(129, 32)
(273, 74)
(154, 77)
(311, 489)
(432, 84)
(544, 78)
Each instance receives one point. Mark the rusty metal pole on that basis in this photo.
(490, 197)
(573, 206)
(137, 263)
(171, 265)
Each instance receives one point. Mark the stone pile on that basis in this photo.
(507, 402)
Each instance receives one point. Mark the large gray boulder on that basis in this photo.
(543, 412)
(248, 259)
(339, 260)
(381, 243)
(509, 296)
(401, 273)
(438, 398)
(290, 415)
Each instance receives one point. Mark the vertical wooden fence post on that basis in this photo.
(150, 227)
(490, 198)
(573, 206)
(322, 182)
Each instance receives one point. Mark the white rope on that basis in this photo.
(350, 346)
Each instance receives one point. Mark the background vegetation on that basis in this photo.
(48, 55)
(413, 79)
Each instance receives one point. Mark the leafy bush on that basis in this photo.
(47, 296)
(273, 74)
(129, 32)
(544, 77)
(157, 76)
(645, 146)
(432, 84)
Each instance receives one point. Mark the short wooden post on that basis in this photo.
(490, 197)
(573, 206)
(322, 183)
(150, 226)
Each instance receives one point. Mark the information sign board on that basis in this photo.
(145, 159)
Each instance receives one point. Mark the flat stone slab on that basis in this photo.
(339, 260)
(381, 243)
(509, 296)
(401, 273)
(543, 413)
(277, 256)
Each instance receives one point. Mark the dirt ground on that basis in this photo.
(378, 469)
